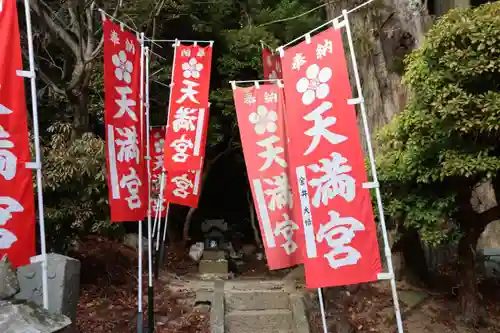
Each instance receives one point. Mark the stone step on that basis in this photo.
(213, 255)
(254, 285)
(213, 266)
(256, 300)
(261, 321)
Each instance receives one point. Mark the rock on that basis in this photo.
(63, 284)
(9, 286)
(23, 317)
(398, 265)
(411, 298)
(196, 251)
(132, 240)
(297, 274)
(248, 249)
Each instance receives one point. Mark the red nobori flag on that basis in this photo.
(157, 140)
(127, 181)
(188, 110)
(183, 187)
(260, 112)
(327, 164)
(17, 203)
(272, 64)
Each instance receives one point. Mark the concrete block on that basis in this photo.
(213, 267)
(63, 284)
(213, 255)
(217, 309)
(266, 321)
(256, 300)
(300, 320)
(255, 285)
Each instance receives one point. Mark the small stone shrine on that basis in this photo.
(213, 261)
(214, 231)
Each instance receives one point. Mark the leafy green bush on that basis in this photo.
(447, 140)
(74, 186)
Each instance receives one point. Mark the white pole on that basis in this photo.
(148, 161)
(176, 43)
(38, 160)
(159, 228)
(362, 108)
(160, 204)
(166, 220)
(322, 309)
(150, 234)
(139, 242)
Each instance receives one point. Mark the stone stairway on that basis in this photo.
(263, 307)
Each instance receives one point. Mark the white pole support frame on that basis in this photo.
(362, 108)
(175, 44)
(38, 159)
(160, 208)
(322, 309)
(148, 163)
(139, 242)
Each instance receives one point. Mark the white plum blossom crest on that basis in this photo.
(314, 85)
(192, 68)
(123, 66)
(264, 120)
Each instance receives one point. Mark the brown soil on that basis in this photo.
(108, 292)
(368, 308)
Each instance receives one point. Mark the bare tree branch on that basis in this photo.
(56, 28)
(45, 78)
(89, 11)
(98, 49)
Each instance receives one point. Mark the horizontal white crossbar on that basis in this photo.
(337, 24)
(371, 185)
(354, 101)
(33, 165)
(385, 276)
(27, 74)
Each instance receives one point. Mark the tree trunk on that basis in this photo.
(187, 224)
(415, 268)
(253, 222)
(468, 292)
(79, 105)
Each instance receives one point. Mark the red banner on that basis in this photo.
(17, 204)
(125, 164)
(260, 112)
(327, 165)
(157, 141)
(183, 187)
(188, 110)
(272, 64)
